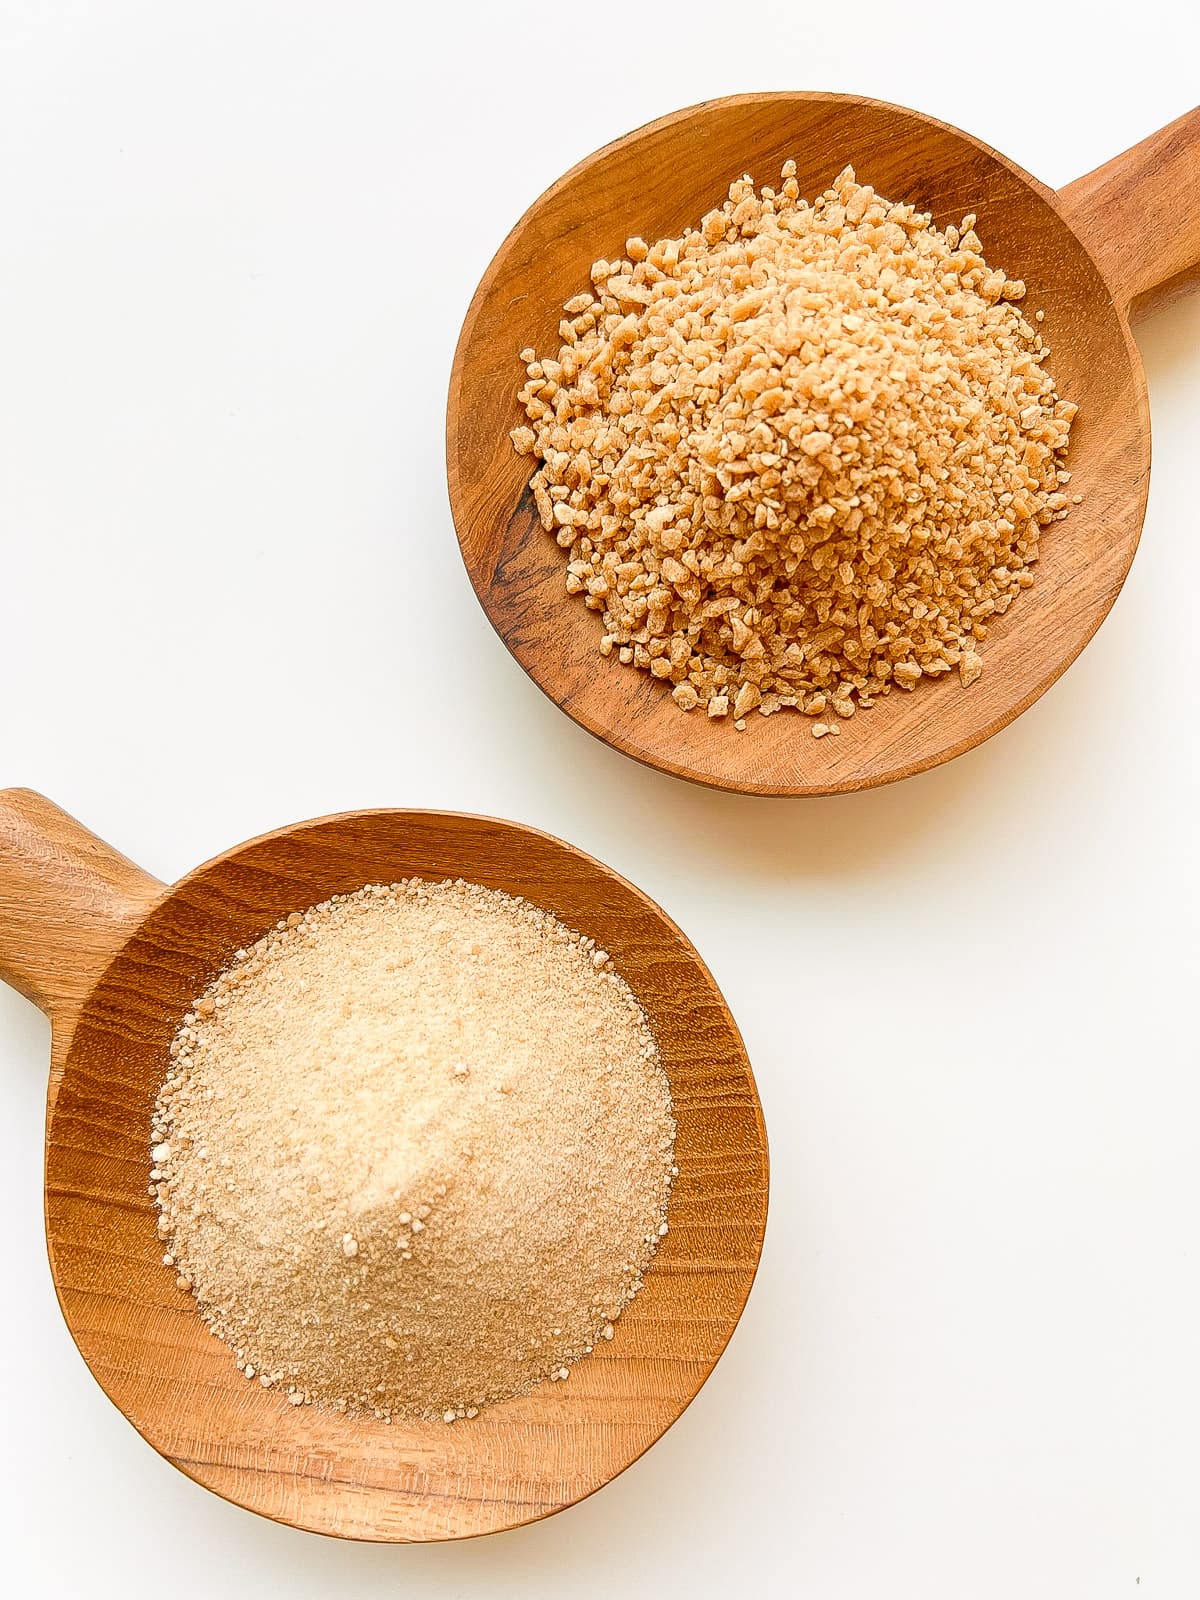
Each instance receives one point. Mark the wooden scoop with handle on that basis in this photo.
(115, 958)
(1105, 250)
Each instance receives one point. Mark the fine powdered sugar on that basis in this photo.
(414, 1151)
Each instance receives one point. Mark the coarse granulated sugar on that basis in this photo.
(799, 456)
(414, 1151)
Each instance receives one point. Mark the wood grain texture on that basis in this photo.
(142, 1337)
(67, 900)
(1140, 216)
(663, 178)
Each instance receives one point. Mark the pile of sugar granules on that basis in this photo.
(414, 1151)
(799, 456)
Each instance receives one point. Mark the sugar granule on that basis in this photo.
(799, 456)
(414, 1151)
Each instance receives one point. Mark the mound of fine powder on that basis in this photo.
(414, 1150)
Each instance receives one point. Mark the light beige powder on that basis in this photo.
(414, 1151)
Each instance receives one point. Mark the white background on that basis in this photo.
(238, 239)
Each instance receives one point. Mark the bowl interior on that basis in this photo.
(663, 178)
(361, 1478)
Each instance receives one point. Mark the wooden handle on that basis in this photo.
(67, 902)
(1139, 216)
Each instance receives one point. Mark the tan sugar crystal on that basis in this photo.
(970, 666)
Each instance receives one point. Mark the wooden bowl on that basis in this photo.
(1108, 245)
(115, 957)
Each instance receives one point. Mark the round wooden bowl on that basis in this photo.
(115, 958)
(1108, 245)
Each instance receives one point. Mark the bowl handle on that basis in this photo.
(1139, 216)
(68, 901)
